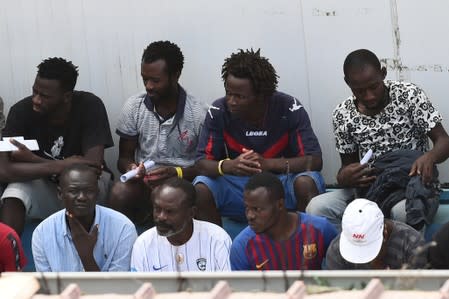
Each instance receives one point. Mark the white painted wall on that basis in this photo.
(306, 40)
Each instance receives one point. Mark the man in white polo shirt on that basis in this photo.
(178, 242)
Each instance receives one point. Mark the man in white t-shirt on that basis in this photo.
(178, 242)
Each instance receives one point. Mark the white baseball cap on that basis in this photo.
(362, 231)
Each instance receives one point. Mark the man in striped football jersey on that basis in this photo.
(275, 238)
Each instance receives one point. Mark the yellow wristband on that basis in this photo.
(179, 172)
(220, 164)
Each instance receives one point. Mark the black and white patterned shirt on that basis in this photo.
(402, 124)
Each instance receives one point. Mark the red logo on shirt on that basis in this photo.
(184, 137)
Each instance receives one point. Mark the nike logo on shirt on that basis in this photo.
(260, 266)
(158, 268)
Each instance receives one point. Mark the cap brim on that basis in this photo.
(362, 254)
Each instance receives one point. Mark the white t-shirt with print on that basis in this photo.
(207, 250)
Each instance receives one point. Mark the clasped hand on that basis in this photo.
(246, 164)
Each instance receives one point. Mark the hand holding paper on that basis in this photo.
(22, 153)
(367, 156)
(133, 172)
(7, 146)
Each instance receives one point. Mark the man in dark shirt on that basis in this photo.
(254, 128)
(69, 126)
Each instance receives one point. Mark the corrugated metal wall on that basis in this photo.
(306, 40)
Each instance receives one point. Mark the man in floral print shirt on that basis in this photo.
(383, 116)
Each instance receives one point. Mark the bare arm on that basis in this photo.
(36, 167)
(157, 176)
(241, 166)
(294, 165)
(439, 153)
(95, 154)
(250, 163)
(207, 167)
(284, 165)
(25, 171)
(127, 148)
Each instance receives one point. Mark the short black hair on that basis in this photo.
(185, 186)
(359, 59)
(57, 68)
(77, 167)
(248, 64)
(268, 181)
(167, 51)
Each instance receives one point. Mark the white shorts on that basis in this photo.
(40, 196)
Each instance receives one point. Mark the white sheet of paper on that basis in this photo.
(367, 156)
(18, 138)
(6, 146)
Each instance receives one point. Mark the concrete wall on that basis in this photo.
(306, 40)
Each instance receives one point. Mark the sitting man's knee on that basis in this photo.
(305, 190)
(127, 197)
(202, 191)
(306, 185)
(126, 191)
(205, 203)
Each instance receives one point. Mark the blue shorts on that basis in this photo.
(227, 191)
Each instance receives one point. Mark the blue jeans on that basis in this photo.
(227, 191)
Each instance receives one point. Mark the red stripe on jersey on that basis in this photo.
(274, 261)
(304, 264)
(208, 148)
(300, 144)
(276, 149)
(320, 245)
(259, 242)
(251, 252)
(232, 143)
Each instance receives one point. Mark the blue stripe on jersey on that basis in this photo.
(304, 250)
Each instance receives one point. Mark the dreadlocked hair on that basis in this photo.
(57, 68)
(250, 65)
